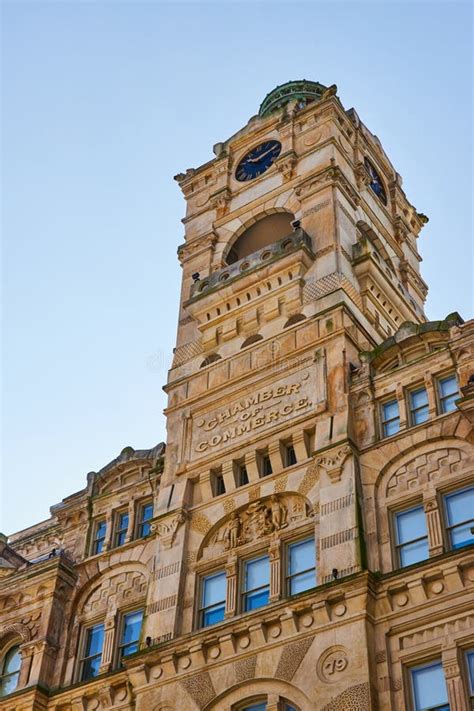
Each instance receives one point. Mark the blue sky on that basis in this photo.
(103, 102)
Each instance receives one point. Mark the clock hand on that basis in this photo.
(259, 158)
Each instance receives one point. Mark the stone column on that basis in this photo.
(431, 395)
(108, 531)
(109, 640)
(251, 466)
(206, 486)
(274, 452)
(228, 474)
(27, 651)
(402, 407)
(452, 672)
(275, 569)
(131, 520)
(232, 592)
(300, 446)
(433, 524)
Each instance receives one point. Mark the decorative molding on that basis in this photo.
(356, 698)
(199, 688)
(333, 463)
(245, 668)
(337, 538)
(167, 530)
(291, 658)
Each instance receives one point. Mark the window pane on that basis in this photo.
(123, 521)
(90, 668)
(302, 582)
(213, 616)
(257, 599)
(448, 386)
(390, 410)
(256, 707)
(420, 416)
(391, 428)
(429, 687)
(460, 506)
(8, 684)
(411, 524)
(132, 623)
(257, 573)
(147, 512)
(95, 640)
(419, 398)
(470, 667)
(214, 589)
(414, 552)
(12, 660)
(302, 556)
(462, 536)
(100, 532)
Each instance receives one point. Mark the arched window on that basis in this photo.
(296, 318)
(262, 233)
(211, 358)
(10, 670)
(376, 184)
(251, 339)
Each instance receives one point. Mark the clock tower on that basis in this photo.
(304, 541)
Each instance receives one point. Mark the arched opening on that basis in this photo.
(296, 318)
(211, 358)
(10, 670)
(252, 339)
(262, 233)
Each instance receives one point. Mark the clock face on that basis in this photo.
(258, 160)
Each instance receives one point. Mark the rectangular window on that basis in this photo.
(213, 594)
(390, 418)
(460, 517)
(256, 590)
(146, 514)
(412, 536)
(121, 528)
(90, 662)
(241, 475)
(265, 465)
(290, 455)
(448, 393)
(470, 674)
(301, 566)
(217, 483)
(419, 409)
(130, 637)
(99, 537)
(429, 688)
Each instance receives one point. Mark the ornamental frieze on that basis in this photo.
(259, 519)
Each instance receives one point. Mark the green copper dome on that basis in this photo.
(303, 90)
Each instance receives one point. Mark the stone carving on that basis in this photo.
(200, 688)
(16, 629)
(167, 530)
(127, 586)
(309, 480)
(356, 698)
(291, 657)
(256, 521)
(245, 668)
(332, 463)
(201, 523)
(331, 663)
(260, 518)
(423, 469)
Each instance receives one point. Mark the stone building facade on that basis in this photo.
(304, 540)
